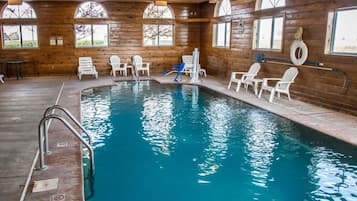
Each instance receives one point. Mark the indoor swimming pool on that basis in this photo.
(177, 142)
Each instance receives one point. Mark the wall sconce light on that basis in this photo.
(160, 3)
(14, 2)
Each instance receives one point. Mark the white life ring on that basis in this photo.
(300, 57)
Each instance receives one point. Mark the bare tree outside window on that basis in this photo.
(18, 35)
(224, 8)
(91, 10)
(24, 11)
(222, 29)
(266, 4)
(160, 34)
(91, 35)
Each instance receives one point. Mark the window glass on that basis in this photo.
(270, 33)
(278, 33)
(265, 31)
(165, 35)
(157, 12)
(17, 35)
(20, 36)
(91, 10)
(151, 35)
(100, 35)
(266, 4)
(224, 8)
(11, 35)
(160, 34)
(29, 36)
(345, 32)
(23, 11)
(222, 34)
(228, 34)
(88, 35)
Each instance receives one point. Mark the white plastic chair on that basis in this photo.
(2, 78)
(86, 67)
(246, 77)
(188, 60)
(140, 66)
(283, 84)
(117, 66)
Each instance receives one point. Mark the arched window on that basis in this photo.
(266, 4)
(224, 8)
(268, 30)
(159, 32)
(157, 12)
(92, 34)
(91, 9)
(18, 35)
(222, 29)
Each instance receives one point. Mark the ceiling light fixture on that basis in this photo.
(160, 3)
(14, 2)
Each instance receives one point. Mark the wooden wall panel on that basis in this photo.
(315, 86)
(125, 38)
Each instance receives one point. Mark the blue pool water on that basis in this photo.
(184, 143)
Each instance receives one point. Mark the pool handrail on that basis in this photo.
(42, 131)
(69, 114)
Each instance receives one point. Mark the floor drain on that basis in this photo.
(62, 144)
(58, 197)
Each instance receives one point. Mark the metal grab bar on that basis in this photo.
(42, 130)
(49, 109)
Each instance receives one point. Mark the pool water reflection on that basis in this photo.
(181, 142)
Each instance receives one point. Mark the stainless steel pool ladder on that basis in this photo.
(43, 135)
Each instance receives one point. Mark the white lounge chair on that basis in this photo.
(117, 66)
(246, 77)
(86, 67)
(140, 66)
(188, 60)
(283, 84)
(2, 78)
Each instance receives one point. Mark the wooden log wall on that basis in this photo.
(319, 87)
(125, 38)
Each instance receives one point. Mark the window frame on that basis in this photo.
(158, 22)
(92, 38)
(331, 32)
(91, 21)
(259, 4)
(222, 19)
(158, 41)
(19, 22)
(215, 34)
(256, 32)
(91, 18)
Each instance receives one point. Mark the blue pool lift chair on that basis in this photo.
(178, 68)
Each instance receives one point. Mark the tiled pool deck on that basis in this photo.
(23, 102)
